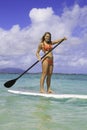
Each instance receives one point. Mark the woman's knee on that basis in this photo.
(49, 74)
(44, 73)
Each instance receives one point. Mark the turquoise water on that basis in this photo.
(18, 112)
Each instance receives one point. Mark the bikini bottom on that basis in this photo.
(49, 60)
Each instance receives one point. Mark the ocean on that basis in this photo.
(19, 112)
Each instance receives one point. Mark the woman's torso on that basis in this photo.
(46, 48)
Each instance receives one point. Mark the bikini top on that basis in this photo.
(46, 47)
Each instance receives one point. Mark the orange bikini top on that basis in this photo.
(46, 47)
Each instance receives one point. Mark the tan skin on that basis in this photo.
(46, 68)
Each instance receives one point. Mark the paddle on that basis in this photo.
(10, 83)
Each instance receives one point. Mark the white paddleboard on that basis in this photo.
(57, 96)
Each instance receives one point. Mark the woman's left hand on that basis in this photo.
(65, 38)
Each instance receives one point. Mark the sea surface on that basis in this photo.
(19, 112)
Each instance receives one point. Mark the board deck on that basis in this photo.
(58, 96)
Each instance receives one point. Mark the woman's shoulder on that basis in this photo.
(40, 45)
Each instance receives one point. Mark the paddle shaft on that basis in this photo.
(41, 58)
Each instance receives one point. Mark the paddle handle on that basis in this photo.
(41, 58)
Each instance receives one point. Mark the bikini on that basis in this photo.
(47, 47)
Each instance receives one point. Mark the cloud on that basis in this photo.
(18, 46)
(78, 62)
(41, 15)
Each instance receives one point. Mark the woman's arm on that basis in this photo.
(38, 51)
(58, 41)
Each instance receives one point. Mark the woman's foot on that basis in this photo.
(42, 91)
(50, 91)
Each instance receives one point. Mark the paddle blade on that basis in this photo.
(10, 83)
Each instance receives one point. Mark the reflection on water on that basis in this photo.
(43, 114)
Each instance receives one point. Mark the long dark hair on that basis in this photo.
(43, 37)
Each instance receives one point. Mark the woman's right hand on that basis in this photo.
(39, 58)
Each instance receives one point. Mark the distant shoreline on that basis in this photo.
(20, 71)
(40, 73)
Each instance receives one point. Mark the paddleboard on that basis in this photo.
(57, 96)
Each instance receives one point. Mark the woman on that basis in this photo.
(47, 62)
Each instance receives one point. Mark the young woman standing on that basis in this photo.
(47, 62)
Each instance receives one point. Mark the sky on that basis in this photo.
(23, 23)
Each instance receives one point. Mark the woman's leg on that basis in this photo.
(43, 76)
(50, 70)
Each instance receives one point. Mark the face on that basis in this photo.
(47, 37)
